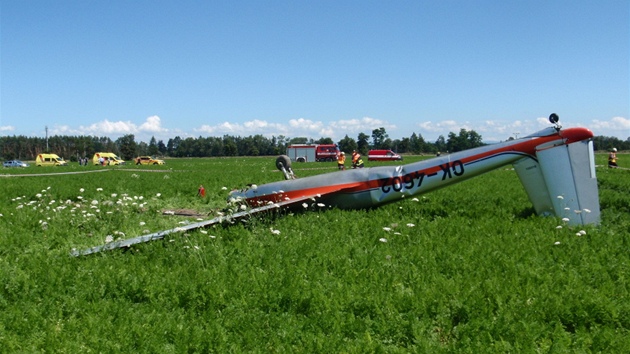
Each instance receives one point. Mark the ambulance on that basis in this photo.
(109, 158)
(50, 160)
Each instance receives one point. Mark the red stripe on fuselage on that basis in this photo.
(523, 148)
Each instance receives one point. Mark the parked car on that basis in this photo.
(14, 163)
(383, 155)
(148, 160)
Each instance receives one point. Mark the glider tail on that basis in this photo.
(562, 182)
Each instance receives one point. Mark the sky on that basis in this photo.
(321, 68)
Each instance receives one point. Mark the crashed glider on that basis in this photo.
(556, 166)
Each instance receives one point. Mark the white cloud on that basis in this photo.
(248, 128)
(153, 124)
(6, 128)
(615, 123)
(299, 127)
(106, 127)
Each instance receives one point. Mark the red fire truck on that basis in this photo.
(312, 152)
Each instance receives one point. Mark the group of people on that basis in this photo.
(83, 161)
(357, 161)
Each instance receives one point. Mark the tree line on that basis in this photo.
(74, 147)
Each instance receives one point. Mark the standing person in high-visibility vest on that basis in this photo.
(612, 158)
(341, 160)
(357, 161)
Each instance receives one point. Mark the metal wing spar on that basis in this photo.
(285, 204)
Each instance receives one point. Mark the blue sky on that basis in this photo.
(312, 68)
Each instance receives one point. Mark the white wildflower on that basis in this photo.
(158, 195)
(565, 219)
(81, 190)
(557, 243)
(114, 195)
(99, 189)
(415, 200)
(577, 211)
(387, 229)
(559, 227)
(410, 225)
(109, 238)
(275, 232)
(142, 223)
(321, 205)
(582, 232)
(382, 239)
(560, 197)
(587, 210)
(243, 207)
(203, 232)
(223, 188)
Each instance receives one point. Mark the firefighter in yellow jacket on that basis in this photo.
(612, 158)
(341, 160)
(357, 161)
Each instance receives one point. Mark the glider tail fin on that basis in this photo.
(562, 182)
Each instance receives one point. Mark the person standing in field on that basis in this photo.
(612, 158)
(357, 161)
(341, 160)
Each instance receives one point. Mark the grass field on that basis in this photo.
(468, 268)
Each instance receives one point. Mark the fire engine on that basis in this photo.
(312, 152)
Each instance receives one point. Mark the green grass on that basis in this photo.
(468, 268)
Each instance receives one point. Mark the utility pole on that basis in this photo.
(47, 139)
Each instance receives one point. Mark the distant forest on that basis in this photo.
(73, 147)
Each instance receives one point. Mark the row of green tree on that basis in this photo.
(74, 147)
